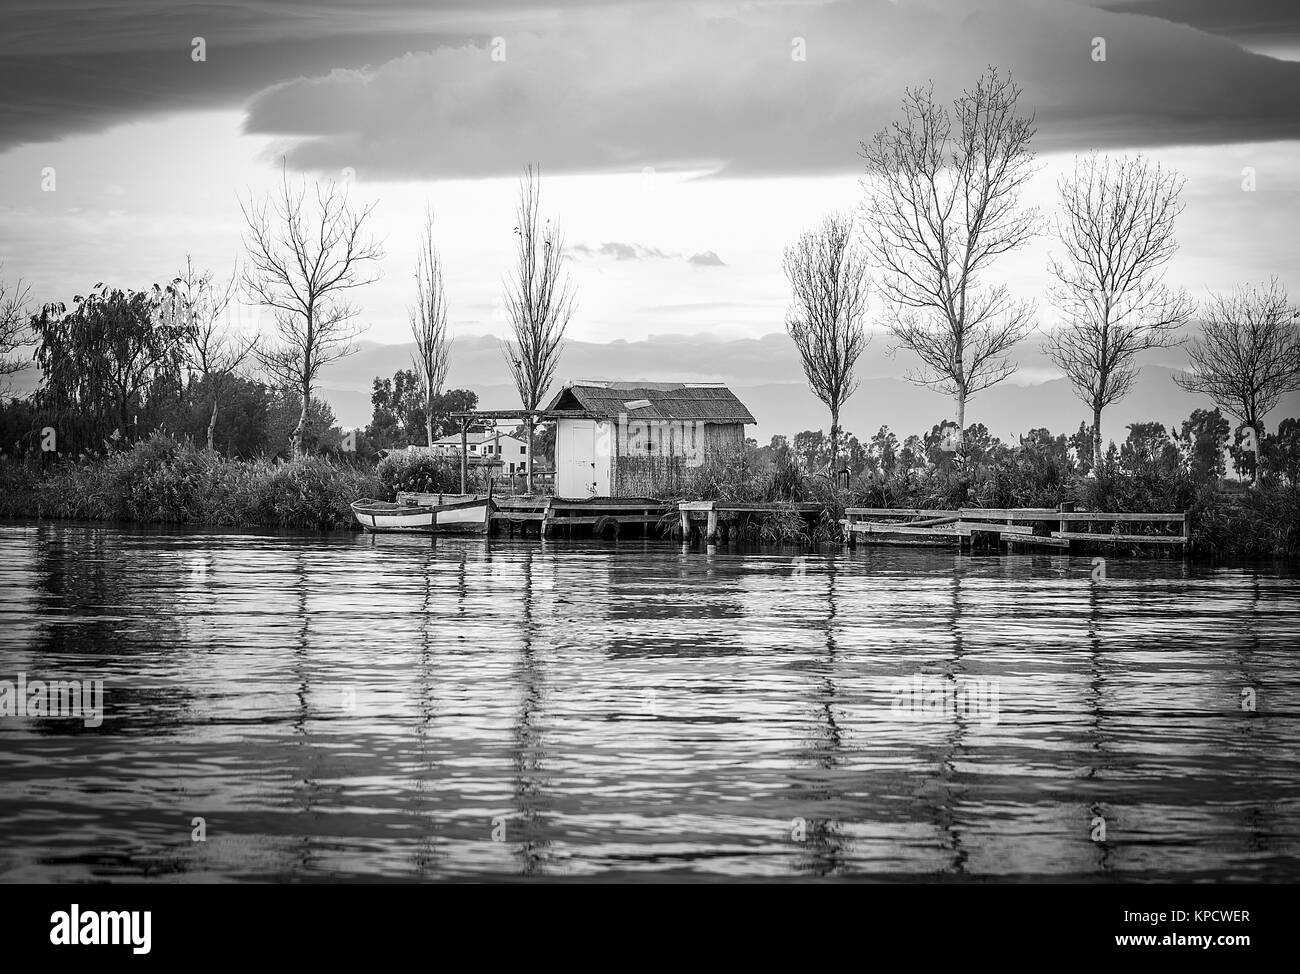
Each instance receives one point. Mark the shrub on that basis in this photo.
(418, 472)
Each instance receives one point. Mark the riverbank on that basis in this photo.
(161, 480)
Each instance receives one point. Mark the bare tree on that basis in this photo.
(304, 256)
(1248, 355)
(828, 276)
(942, 201)
(198, 303)
(15, 327)
(1117, 227)
(540, 302)
(429, 325)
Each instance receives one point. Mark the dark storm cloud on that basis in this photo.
(72, 66)
(625, 89)
(408, 89)
(1246, 19)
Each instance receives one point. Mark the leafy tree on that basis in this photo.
(1204, 437)
(883, 453)
(810, 447)
(105, 361)
(1282, 450)
(912, 456)
(1084, 445)
(282, 424)
(1148, 451)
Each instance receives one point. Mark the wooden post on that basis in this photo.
(464, 456)
(686, 525)
(546, 519)
(711, 531)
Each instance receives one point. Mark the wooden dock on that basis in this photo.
(1024, 527)
(720, 517)
(600, 516)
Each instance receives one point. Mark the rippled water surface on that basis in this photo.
(351, 707)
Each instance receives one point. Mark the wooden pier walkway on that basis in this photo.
(1016, 526)
(603, 516)
(714, 526)
(542, 515)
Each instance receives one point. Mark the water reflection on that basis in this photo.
(348, 706)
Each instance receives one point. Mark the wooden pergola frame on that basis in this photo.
(468, 418)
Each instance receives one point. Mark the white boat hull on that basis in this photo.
(459, 515)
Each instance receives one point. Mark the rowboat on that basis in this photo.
(425, 514)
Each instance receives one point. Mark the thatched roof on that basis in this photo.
(706, 402)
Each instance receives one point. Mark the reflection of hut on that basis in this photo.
(632, 439)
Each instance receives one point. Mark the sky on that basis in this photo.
(683, 147)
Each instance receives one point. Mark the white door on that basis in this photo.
(604, 450)
(575, 459)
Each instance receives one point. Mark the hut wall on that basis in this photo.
(656, 475)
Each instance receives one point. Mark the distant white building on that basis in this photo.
(495, 449)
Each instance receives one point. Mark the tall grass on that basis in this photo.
(161, 480)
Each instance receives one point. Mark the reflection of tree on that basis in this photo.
(943, 810)
(426, 853)
(1257, 819)
(945, 814)
(825, 843)
(101, 598)
(531, 802)
(308, 785)
(1099, 674)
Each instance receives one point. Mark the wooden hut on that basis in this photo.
(638, 439)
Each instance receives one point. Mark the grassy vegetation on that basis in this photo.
(161, 480)
(1228, 520)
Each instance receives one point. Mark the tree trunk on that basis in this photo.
(961, 411)
(1257, 428)
(1096, 438)
(528, 459)
(835, 440)
(428, 426)
(212, 426)
(300, 431)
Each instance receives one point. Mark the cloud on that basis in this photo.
(623, 89)
(631, 251)
(69, 67)
(706, 259)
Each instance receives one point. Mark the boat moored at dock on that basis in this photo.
(426, 514)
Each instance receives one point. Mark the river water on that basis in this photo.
(329, 707)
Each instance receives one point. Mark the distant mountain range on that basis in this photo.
(766, 375)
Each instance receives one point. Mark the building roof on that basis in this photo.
(710, 402)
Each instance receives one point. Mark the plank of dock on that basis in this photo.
(620, 518)
(1110, 516)
(853, 512)
(1124, 538)
(995, 528)
(876, 527)
(1038, 539)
